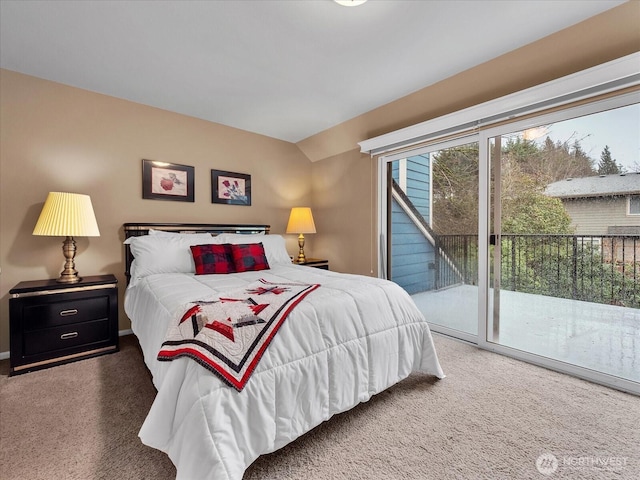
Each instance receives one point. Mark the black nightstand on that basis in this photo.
(314, 262)
(53, 323)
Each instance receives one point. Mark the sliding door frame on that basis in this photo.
(491, 310)
(599, 88)
(383, 217)
(383, 183)
(487, 310)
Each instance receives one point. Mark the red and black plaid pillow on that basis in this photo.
(249, 256)
(213, 259)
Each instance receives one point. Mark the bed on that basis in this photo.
(350, 338)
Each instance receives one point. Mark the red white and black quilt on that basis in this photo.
(229, 334)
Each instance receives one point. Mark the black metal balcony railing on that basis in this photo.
(456, 260)
(595, 268)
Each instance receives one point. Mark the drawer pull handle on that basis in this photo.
(67, 313)
(67, 336)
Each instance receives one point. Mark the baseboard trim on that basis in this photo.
(121, 333)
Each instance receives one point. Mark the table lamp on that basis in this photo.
(301, 222)
(67, 215)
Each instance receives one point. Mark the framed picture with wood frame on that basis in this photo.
(230, 188)
(167, 181)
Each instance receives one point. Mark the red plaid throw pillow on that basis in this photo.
(213, 259)
(249, 256)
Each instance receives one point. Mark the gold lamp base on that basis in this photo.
(301, 257)
(69, 274)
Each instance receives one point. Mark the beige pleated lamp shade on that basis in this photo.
(67, 215)
(301, 221)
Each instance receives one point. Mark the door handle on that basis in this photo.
(492, 239)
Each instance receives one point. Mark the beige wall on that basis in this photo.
(608, 36)
(59, 138)
(55, 137)
(345, 209)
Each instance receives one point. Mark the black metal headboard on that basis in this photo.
(139, 229)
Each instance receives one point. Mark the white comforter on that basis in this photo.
(348, 340)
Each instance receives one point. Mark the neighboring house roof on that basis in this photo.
(597, 186)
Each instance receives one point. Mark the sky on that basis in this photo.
(618, 128)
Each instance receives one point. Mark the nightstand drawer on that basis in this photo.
(54, 314)
(52, 323)
(67, 336)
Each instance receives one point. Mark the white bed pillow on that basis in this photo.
(160, 232)
(165, 253)
(274, 245)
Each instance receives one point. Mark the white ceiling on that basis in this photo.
(283, 68)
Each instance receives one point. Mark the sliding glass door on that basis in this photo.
(525, 238)
(564, 248)
(432, 204)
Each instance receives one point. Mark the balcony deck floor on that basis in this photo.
(604, 338)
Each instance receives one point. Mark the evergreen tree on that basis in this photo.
(607, 165)
(582, 165)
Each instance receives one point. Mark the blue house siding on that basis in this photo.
(418, 184)
(412, 255)
(418, 181)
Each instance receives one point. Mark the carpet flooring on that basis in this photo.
(493, 417)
